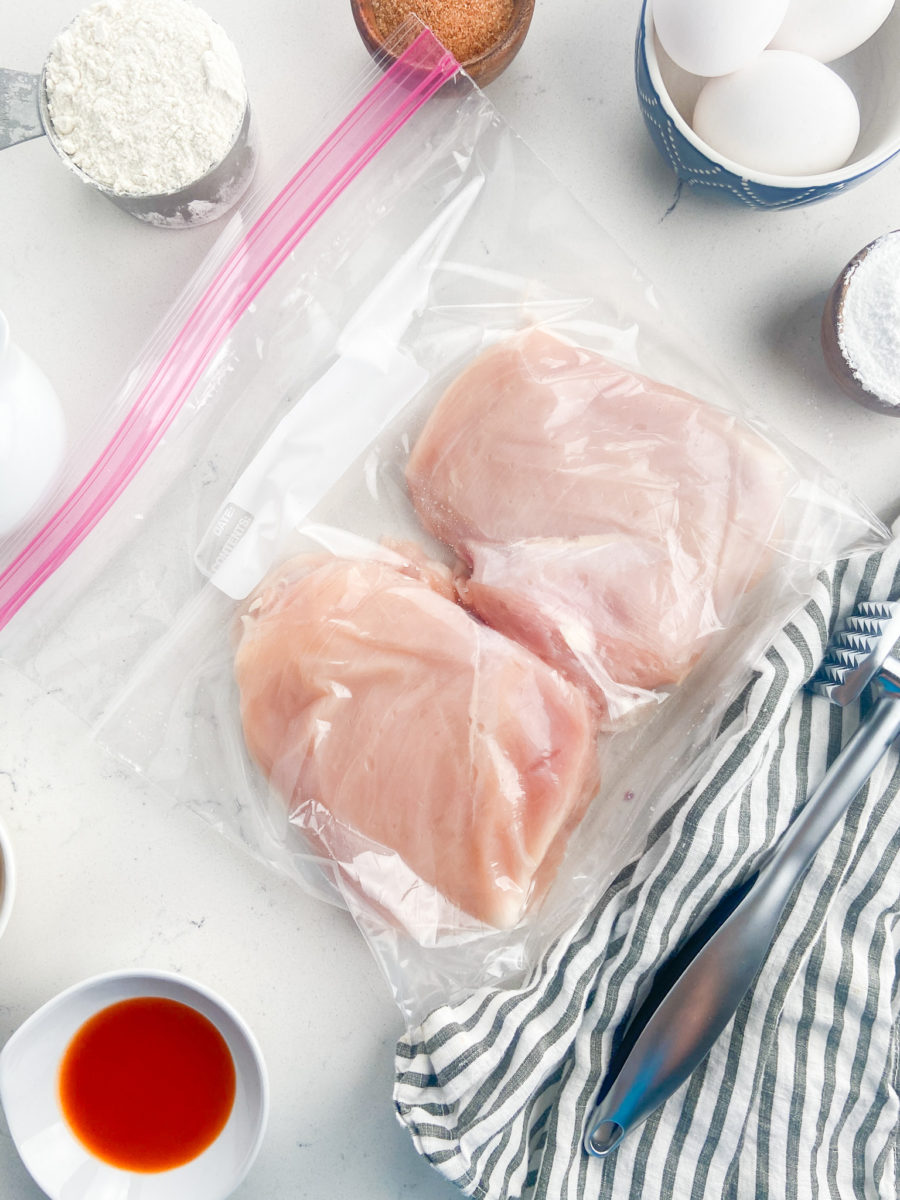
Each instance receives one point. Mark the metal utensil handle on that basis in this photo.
(20, 112)
(847, 774)
(681, 1028)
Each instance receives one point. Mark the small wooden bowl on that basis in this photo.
(833, 343)
(483, 69)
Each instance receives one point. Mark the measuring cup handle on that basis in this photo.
(20, 110)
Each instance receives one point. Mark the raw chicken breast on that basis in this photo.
(412, 744)
(553, 595)
(606, 521)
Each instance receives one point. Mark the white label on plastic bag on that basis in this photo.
(307, 453)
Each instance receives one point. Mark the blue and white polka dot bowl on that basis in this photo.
(667, 95)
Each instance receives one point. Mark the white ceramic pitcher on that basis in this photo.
(32, 433)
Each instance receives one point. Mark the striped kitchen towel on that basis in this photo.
(799, 1097)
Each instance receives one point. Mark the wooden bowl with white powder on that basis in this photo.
(861, 326)
(145, 100)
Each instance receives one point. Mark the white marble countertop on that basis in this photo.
(110, 875)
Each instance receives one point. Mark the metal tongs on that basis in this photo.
(697, 992)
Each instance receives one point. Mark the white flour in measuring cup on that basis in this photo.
(145, 97)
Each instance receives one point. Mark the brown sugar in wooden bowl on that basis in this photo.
(484, 36)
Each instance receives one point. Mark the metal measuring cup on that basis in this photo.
(25, 114)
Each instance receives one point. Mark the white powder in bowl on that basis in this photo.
(145, 96)
(868, 326)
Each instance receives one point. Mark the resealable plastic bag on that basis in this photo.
(263, 446)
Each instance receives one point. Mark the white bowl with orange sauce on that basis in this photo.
(135, 1083)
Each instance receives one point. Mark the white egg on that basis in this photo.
(828, 29)
(784, 114)
(32, 434)
(715, 37)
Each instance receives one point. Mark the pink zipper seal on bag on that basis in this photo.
(394, 99)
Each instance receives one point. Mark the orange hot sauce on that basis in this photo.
(147, 1084)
